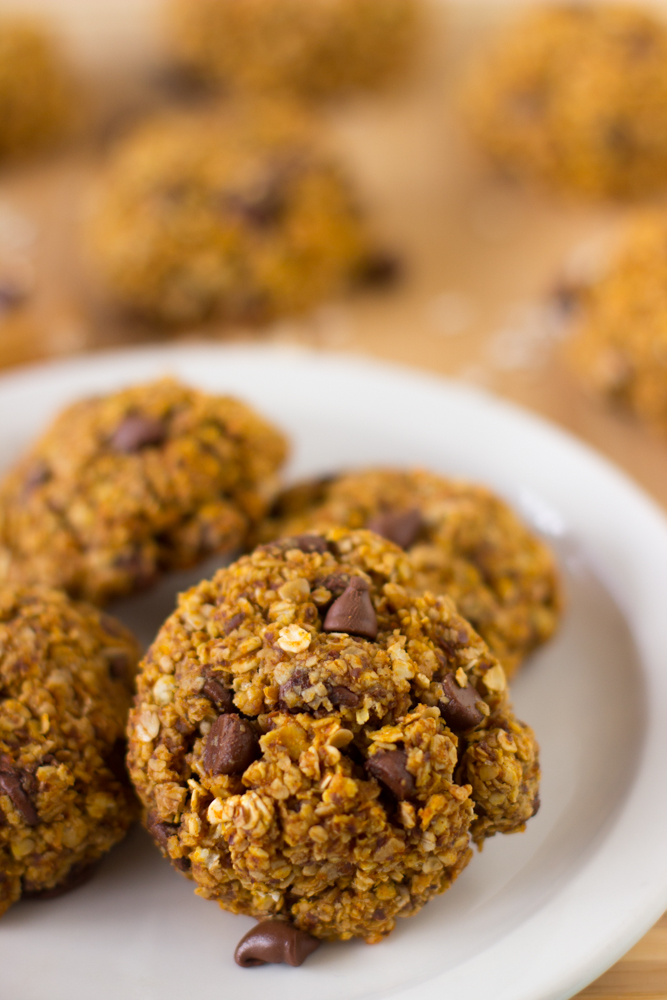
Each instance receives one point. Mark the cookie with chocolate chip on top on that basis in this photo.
(124, 487)
(462, 540)
(366, 739)
(66, 679)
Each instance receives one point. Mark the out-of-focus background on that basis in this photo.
(478, 254)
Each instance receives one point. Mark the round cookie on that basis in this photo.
(462, 541)
(576, 94)
(316, 48)
(618, 342)
(66, 678)
(239, 215)
(123, 487)
(35, 88)
(313, 740)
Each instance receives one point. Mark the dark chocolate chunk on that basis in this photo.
(460, 712)
(231, 746)
(400, 527)
(221, 697)
(274, 941)
(78, 875)
(343, 696)
(159, 831)
(138, 431)
(10, 785)
(234, 622)
(353, 611)
(308, 543)
(390, 768)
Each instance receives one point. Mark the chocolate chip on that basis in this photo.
(308, 543)
(119, 663)
(221, 697)
(274, 941)
(11, 785)
(336, 583)
(390, 768)
(138, 431)
(460, 711)
(343, 696)
(115, 761)
(234, 622)
(400, 527)
(536, 805)
(78, 875)
(379, 270)
(38, 474)
(353, 611)
(231, 746)
(159, 831)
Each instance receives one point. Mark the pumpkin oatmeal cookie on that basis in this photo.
(241, 214)
(462, 540)
(618, 342)
(123, 487)
(66, 678)
(35, 88)
(315, 48)
(313, 741)
(575, 94)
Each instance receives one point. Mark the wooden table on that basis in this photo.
(478, 255)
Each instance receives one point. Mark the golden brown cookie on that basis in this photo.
(312, 739)
(575, 94)
(241, 215)
(35, 88)
(66, 678)
(462, 540)
(124, 487)
(316, 48)
(618, 342)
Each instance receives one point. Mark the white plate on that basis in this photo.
(537, 915)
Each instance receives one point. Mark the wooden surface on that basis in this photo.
(479, 255)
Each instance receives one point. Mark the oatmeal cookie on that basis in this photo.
(125, 486)
(35, 89)
(66, 678)
(576, 94)
(316, 49)
(239, 215)
(313, 740)
(618, 343)
(462, 540)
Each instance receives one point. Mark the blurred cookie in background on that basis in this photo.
(462, 540)
(618, 323)
(316, 48)
(575, 94)
(240, 214)
(36, 95)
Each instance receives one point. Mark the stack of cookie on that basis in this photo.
(321, 730)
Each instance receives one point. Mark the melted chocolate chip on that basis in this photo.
(399, 527)
(136, 432)
(460, 712)
(234, 622)
(231, 746)
(308, 543)
(353, 611)
(343, 696)
(390, 768)
(159, 831)
(78, 875)
(11, 784)
(221, 697)
(274, 942)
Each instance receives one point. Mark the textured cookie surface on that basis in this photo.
(314, 47)
(618, 343)
(35, 89)
(462, 541)
(311, 739)
(241, 215)
(125, 486)
(66, 677)
(576, 94)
